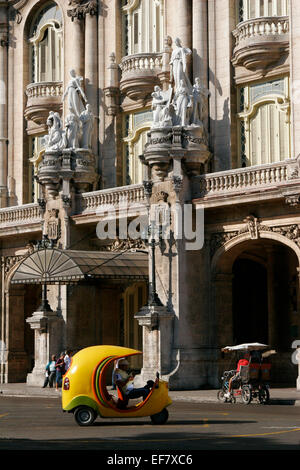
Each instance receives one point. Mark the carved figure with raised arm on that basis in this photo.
(75, 94)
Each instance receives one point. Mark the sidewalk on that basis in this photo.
(279, 396)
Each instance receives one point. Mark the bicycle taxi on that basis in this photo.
(252, 381)
(85, 392)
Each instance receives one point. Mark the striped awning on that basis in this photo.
(54, 266)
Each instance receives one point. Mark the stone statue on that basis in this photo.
(200, 94)
(87, 122)
(55, 139)
(182, 103)
(178, 65)
(75, 94)
(161, 107)
(72, 132)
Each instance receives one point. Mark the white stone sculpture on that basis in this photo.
(182, 103)
(200, 95)
(75, 94)
(72, 131)
(54, 141)
(87, 121)
(179, 65)
(161, 107)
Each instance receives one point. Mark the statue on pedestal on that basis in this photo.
(200, 94)
(179, 65)
(87, 122)
(75, 94)
(161, 107)
(55, 138)
(72, 125)
(182, 103)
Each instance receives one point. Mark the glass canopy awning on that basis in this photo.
(54, 266)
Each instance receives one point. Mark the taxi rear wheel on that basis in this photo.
(161, 417)
(84, 416)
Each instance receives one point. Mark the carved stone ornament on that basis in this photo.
(124, 245)
(160, 196)
(82, 8)
(53, 224)
(292, 232)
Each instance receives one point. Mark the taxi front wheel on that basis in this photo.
(84, 416)
(161, 417)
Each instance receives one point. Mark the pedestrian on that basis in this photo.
(60, 370)
(67, 359)
(50, 372)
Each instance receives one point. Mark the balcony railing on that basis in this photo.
(17, 216)
(140, 74)
(265, 26)
(42, 98)
(44, 90)
(116, 197)
(260, 42)
(245, 180)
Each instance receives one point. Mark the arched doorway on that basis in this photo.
(256, 297)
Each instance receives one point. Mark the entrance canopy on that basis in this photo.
(54, 266)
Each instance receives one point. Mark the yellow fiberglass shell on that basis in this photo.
(86, 380)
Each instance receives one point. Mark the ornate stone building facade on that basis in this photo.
(174, 122)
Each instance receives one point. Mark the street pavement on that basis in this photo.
(284, 396)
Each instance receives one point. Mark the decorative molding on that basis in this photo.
(125, 245)
(82, 8)
(254, 228)
(160, 196)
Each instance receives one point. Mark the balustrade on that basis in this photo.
(244, 179)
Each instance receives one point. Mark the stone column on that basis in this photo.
(47, 326)
(74, 49)
(179, 20)
(91, 72)
(3, 105)
(200, 26)
(294, 19)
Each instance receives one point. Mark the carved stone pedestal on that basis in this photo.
(47, 326)
(157, 323)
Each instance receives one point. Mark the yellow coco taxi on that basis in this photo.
(85, 394)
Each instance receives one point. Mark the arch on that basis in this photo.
(237, 243)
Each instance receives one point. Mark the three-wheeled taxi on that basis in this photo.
(253, 380)
(84, 390)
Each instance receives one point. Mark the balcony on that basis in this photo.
(42, 98)
(140, 73)
(20, 219)
(252, 184)
(121, 201)
(260, 42)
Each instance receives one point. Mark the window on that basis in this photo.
(136, 128)
(36, 150)
(142, 26)
(264, 122)
(46, 41)
(248, 9)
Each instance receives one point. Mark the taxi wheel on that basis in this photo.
(84, 416)
(161, 417)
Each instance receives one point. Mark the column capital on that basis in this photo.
(82, 8)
